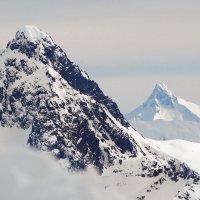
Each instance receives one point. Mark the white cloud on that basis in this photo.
(29, 175)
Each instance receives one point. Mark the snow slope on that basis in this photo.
(190, 106)
(185, 151)
(169, 130)
(162, 104)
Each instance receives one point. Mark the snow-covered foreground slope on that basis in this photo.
(185, 151)
(163, 104)
(169, 130)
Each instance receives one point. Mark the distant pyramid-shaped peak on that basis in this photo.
(162, 88)
(162, 94)
(163, 104)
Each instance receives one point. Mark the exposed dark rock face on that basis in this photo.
(68, 113)
(54, 56)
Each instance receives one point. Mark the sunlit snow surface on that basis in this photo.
(34, 34)
(185, 151)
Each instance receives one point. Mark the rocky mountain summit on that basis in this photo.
(68, 114)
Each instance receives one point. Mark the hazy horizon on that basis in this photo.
(127, 47)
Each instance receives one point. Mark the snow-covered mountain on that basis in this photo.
(66, 114)
(162, 104)
(164, 116)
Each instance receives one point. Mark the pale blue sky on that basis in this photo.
(119, 42)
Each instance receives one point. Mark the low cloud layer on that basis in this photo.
(29, 175)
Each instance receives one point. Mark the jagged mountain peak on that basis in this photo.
(161, 95)
(33, 42)
(68, 114)
(50, 54)
(33, 34)
(163, 104)
(162, 88)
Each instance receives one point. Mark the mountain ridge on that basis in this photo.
(67, 112)
(164, 105)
